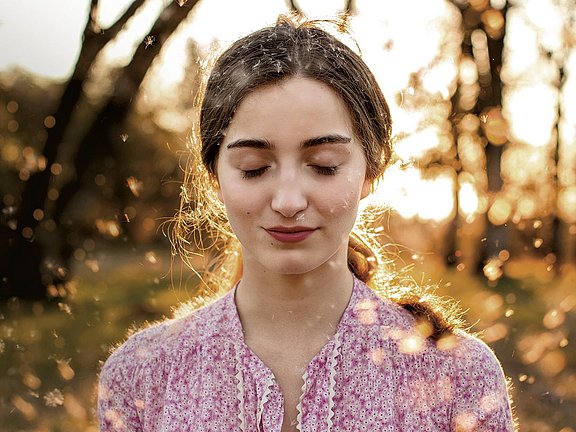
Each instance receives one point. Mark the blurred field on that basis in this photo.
(50, 354)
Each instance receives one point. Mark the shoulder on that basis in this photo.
(463, 365)
(162, 341)
(473, 360)
(398, 323)
(481, 398)
(132, 382)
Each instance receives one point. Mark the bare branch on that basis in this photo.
(91, 24)
(293, 7)
(95, 39)
(113, 30)
(93, 12)
(350, 8)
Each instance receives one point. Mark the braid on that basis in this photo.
(439, 315)
(361, 259)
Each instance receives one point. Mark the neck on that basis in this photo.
(303, 300)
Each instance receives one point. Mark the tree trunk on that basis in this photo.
(490, 96)
(496, 235)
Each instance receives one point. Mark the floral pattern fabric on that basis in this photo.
(376, 373)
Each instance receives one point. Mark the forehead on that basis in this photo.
(299, 107)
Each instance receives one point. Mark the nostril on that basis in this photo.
(289, 201)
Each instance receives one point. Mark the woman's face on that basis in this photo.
(291, 174)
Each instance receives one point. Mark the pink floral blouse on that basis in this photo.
(375, 374)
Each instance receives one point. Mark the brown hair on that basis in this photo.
(273, 54)
(290, 48)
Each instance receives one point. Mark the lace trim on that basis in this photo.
(299, 406)
(267, 390)
(240, 390)
(333, 362)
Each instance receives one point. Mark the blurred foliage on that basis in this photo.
(124, 196)
(50, 353)
(25, 102)
(528, 317)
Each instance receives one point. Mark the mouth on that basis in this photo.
(290, 234)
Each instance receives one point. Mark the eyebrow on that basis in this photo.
(311, 142)
(326, 139)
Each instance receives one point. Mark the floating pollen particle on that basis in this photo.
(26, 408)
(65, 308)
(522, 377)
(54, 398)
(412, 344)
(65, 369)
(493, 269)
(377, 356)
(151, 257)
(149, 41)
(93, 265)
(135, 185)
(108, 227)
(31, 381)
(466, 421)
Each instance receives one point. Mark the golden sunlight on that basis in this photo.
(412, 196)
(537, 108)
(468, 200)
(531, 111)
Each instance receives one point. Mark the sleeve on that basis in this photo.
(118, 401)
(481, 401)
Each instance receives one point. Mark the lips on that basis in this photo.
(290, 234)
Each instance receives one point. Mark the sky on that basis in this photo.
(44, 36)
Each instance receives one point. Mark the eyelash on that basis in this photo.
(327, 171)
(248, 174)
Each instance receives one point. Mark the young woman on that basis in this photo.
(294, 131)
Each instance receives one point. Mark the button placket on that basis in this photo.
(271, 408)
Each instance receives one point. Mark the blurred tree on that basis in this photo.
(472, 105)
(24, 270)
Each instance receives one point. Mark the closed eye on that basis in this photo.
(323, 170)
(326, 170)
(248, 174)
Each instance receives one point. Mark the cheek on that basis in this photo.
(238, 207)
(227, 187)
(339, 200)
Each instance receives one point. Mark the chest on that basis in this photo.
(338, 390)
(288, 364)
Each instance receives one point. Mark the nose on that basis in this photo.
(289, 197)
